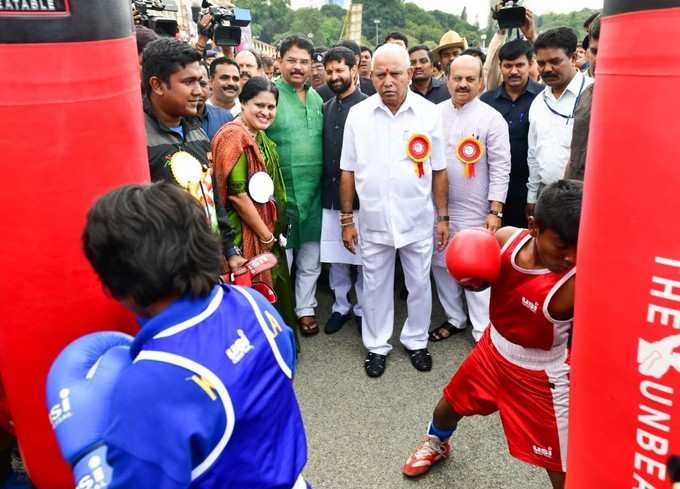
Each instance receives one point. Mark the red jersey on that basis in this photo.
(519, 303)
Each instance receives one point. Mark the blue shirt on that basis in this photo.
(213, 118)
(211, 379)
(516, 114)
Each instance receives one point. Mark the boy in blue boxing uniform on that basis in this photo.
(203, 396)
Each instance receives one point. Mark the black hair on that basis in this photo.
(559, 208)
(366, 48)
(148, 242)
(514, 49)
(421, 47)
(589, 21)
(298, 42)
(267, 61)
(398, 36)
(258, 58)
(255, 86)
(595, 28)
(340, 54)
(144, 36)
(351, 45)
(222, 61)
(476, 52)
(165, 56)
(560, 38)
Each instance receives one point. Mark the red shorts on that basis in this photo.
(533, 404)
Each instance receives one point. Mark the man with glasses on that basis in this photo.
(551, 116)
(298, 134)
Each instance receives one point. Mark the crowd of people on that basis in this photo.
(353, 158)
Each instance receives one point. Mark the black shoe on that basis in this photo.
(444, 331)
(358, 322)
(336, 322)
(420, 359)
(375, 364)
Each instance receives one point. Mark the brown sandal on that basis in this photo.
(308, 325)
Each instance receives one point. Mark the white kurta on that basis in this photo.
(396, 213)
(469, 198)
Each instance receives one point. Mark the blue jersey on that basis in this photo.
(209, 400)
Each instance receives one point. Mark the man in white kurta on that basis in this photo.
(476, 196)
(396, 205)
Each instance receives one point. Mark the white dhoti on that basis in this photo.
(378, 298)
(308, 269)
(333, 251)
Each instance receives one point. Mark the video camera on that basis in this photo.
(151, 12)
(227, 23)
(510, 15)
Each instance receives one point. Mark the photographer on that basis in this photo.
(492, 72)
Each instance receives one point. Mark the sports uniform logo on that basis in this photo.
(532, 306)
(239, 348)
(61, 411)
(543, 452)
(657, 358)
(96, 478)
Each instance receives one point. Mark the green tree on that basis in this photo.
(270, 17)
(573, 20)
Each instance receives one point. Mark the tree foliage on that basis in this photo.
(573, 20)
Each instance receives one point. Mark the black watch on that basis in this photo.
(498, 214)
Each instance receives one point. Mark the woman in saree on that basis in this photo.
(249, 181)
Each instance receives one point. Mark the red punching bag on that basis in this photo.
(72, 128)
(625, 398)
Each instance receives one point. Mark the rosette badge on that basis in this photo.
(469, 151)
(418, 148)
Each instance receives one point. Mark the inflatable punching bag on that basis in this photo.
(625, 398)
(72, 128)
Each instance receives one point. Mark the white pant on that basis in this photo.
(378, 297)
(450, 295)
(340, 281)
(308, 269)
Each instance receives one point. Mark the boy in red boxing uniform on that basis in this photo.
(519, 367)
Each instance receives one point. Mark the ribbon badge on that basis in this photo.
(418, 149)
(469, 151)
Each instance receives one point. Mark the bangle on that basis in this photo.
(346, 224)
(268, 241)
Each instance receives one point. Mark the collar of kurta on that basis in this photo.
(467, 107)
(407, 104)
(284, 85)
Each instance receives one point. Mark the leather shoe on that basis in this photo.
(420, 359)
(336, 322)
(375, 364)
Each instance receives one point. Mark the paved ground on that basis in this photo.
(360, 430)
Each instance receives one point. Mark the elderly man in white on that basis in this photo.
(393, 158)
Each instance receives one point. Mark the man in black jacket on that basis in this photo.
(178, 148)
(341, 71)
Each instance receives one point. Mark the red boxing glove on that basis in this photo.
(474, 258)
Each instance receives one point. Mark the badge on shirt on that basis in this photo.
(418, 148)
(469, 151)
(196, 179)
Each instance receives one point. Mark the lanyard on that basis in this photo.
(578, 97)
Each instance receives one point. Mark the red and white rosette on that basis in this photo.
(469, 151)
(418, 148)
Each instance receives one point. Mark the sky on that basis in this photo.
(481, 7)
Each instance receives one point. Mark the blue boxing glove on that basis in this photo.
(79, 388)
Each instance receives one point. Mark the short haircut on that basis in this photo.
(397, 36)
(267, 61)
(298, 42)
(351, 45)
(144, 36)
(222, 61)
(340, 54)
(258, 58)
(589, 21)
(421, 47)
(366, 48)
(514, 49)
(559, 38)
(559, 208)
(595, 29)
(476, 52)
(255, 86)
(165, 56)
(148, 242)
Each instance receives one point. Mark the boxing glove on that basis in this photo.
(79, 387)
(474, 258)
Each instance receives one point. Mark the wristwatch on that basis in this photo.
(498, 214)
(442, 218)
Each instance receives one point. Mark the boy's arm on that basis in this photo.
(504, 234)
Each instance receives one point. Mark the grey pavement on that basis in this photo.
(361, 430)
